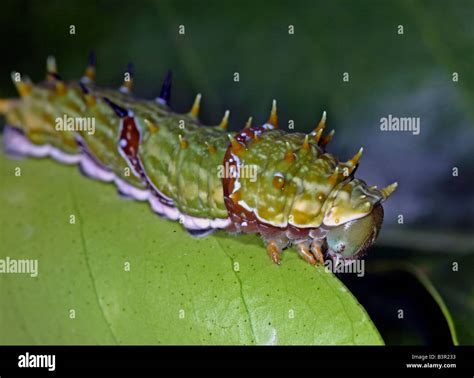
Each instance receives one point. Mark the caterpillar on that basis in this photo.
(298, 194)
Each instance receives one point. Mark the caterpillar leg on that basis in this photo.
(274, 251)
(305, 253)
(317, 251)
(200, 233)
(312, 254)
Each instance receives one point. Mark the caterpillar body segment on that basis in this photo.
(285, 186)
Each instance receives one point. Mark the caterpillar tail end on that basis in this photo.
(6, 104)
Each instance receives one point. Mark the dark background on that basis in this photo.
(408, 75)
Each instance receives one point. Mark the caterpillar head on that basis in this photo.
(350, 240)
(354, 217)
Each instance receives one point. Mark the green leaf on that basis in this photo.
(179, 290)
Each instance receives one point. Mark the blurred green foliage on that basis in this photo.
(303, 71)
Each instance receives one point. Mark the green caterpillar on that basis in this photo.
(285, 187)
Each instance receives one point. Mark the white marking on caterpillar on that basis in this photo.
(131, 191)
(189, 222)
(18, 144)
(92, 169)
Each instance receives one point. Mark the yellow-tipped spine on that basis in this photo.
(388, 190)
(248, 124)
(306, 144)
(51, 68)
(212, 150)
(183, 143)
(327, 138)
(225, 121)
(273, 120)
(355, 160)
(23, 86)
(289, 154)
(153, 127)
(196, 106)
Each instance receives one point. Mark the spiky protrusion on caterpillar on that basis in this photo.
(303, 194)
